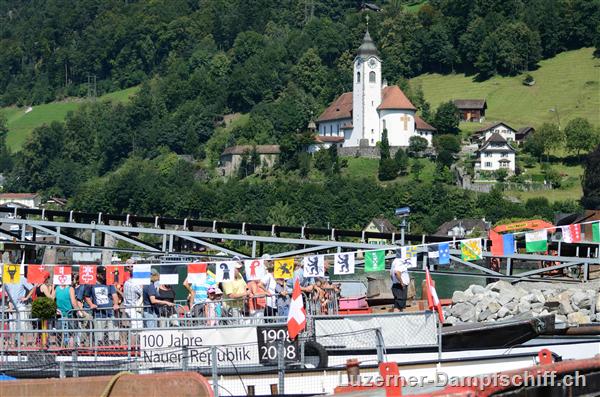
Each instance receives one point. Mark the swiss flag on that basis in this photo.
(432, 297)
(296, 320)
(35, 274)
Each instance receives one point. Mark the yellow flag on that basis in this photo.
(284, 268)
(11, 274)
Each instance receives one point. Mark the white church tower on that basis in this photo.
(366, 93)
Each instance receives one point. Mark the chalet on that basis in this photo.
(496, 153)
(523, 133)
(471, 109)
(380, 225)
(461, 228)
(231, 158)
(506, 131)
(20, 200)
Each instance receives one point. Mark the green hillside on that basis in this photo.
(21, 124)
(569, 82)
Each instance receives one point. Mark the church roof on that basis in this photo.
(422, 125)
(341, 108)
(394, 98)
(367, 47)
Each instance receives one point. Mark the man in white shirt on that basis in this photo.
(400, 282)
(269, 282)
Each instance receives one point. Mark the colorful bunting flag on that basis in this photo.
(314, 266)
(168, 275)
(197, 273)
(571, 233)
(344, 263)
(226, 271)
(409, 256)
(536, 241)
(284, 268)
(62, 275)
(116, 275)
(141, 274)
(87, 274)
(296, 320)
(508, 244)
(36, 274)
(596, 232)
(11, 274)
(374, 261)
(254, 269)
(471, 250)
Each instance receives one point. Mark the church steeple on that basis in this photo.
(367, 48)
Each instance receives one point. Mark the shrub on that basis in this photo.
(43, 308)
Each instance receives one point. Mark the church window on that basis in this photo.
(358, 77)
(371, 77)
(488, 164)
(384, 124)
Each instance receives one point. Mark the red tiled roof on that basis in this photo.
(328, 139)
(341, 108)
(394, 98)
(421, 124)
(17, 196)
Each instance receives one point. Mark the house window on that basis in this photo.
(372, 132)
(504, 155)
(330, 129)
(488, 164)
(358, 77)
(488, 155)
(371, 77)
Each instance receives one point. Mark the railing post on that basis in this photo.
(184, 358)
(215, 373)
(281, 367)
(129, 349)
(439, 329)
(75, 369)
(380, 344)
(61, 370)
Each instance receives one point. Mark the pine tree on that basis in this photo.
(387, 167)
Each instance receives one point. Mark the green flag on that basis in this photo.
(374, 261)
(536, 241)
(596, 232)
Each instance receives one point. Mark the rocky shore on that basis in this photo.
(570, 303)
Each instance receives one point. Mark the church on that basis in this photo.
(358, 118)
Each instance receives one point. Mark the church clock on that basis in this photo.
(372, 63)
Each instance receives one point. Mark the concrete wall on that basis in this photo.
(368, 152)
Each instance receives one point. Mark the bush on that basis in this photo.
(387, 170)
(447, 142)
(528, 161)
(43, 308)
(417, 145)
(501, 174)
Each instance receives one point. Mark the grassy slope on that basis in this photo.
(367, 168)
(21, 124)
(570, 82)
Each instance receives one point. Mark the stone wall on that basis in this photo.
(371, 152)
(570, 303)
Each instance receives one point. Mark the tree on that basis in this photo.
(417, 145)
(535, 145)
(591, 181)
(401, 160)
(501, 174)
(416, 169)
(550, 136)
(448, 142)
(5, 155)
(387, 167)
(581, 136)
(384, 146)
(447, 118)
(445, 158)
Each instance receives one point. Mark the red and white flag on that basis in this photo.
(62, 275)
(36, 274)
(197, 273)
(296, 320)
(571, 233)
(116, 274)
(432, 298)
(87, 274)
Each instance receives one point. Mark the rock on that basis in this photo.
(537, 307)
(477, 289)
(526, 298)
(581, 299)
(511, 307)
(503, 312)
(578, 318)
(584, 311)
(552, 304)
(506, 297)
(524, 307)
(451, 320)
(475, 299)
(492, 294)
(463, 311)
(458, 297)
(494, 307)
(598, 303)
(500, 286)
(559, 318)
(564, 300)
(538, 296)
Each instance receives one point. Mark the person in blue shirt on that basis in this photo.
(151, 301)
(103, 300)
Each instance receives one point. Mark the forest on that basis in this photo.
(282, 62)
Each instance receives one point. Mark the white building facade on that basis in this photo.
(361, 116)
(496, 153)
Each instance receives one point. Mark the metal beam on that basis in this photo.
(301, 251)
(549, 268)
(135, 242)
(59, 235)
(213, 246)
(475, 266)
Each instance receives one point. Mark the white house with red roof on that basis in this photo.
(358, 118)
(21, 200)
(496, 153)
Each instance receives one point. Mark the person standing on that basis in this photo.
(400, 282)
(151, 301)
(66, 303)
(132, 298)
(237, 291)
(103, 300)
(19, 295)
(270, 283)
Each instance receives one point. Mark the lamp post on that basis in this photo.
(402, 212)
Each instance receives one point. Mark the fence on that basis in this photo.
(242, 358)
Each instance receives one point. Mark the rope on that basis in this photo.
(112, 382)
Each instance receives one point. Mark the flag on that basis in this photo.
(141, 274)
(168, 275)
(374, 261)
(409, 256)
(314, 266)
(116, 274)
(444, 253)
(596, 232)
(536, 241)
(87, 274)
(296, 320)
(571, 233)
(284, 268)
(62, 275)
(508, 244)
(11, 274)
(254, 269)
(471, 250)
(36, 274)
(344, 263)
(432, 297)
(197, 273)
(225, 271)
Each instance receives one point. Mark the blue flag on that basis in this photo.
(508, 244)
(444, 253)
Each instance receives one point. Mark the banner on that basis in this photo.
(226, 271)
(254, 269)
(471, 250)
(284, 268)
(36, 274)
(374, 261)
(87, 274)
(197, 273)
(314, 266)
(62, 275)
(11, 274)
(116, 275)
(141, 274)
(409, 256)
(344, 263)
